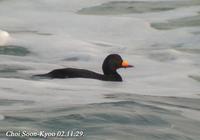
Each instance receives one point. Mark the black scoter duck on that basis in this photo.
(110, 65)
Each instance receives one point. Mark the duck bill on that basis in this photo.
(129, 66)
(126, 65)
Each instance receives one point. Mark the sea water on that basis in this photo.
(158, 98)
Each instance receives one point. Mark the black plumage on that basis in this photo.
(110, 65)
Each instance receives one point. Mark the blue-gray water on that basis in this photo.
(133, 117)
(157, 100)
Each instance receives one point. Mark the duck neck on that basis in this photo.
(112, 76)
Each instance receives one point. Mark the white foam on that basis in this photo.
(4, 37)
(57, 34)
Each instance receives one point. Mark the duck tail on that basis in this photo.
(41, 76)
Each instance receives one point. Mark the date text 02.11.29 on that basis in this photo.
(70, 133)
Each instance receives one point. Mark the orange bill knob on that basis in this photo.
(125, 64)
